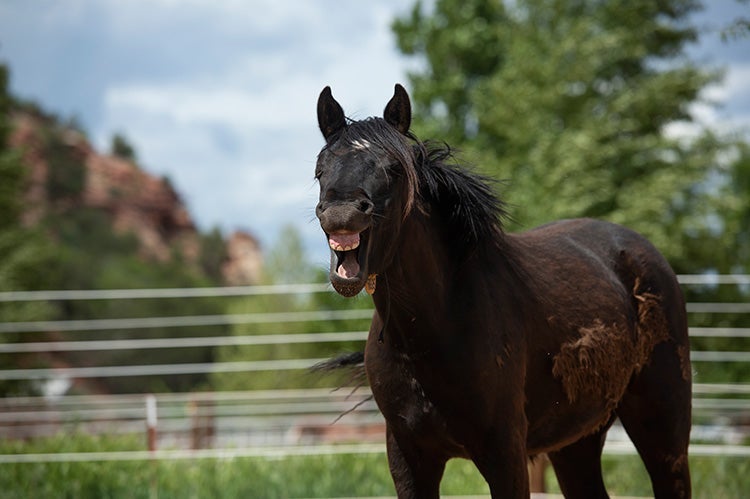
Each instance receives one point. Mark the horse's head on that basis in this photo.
(367, 184)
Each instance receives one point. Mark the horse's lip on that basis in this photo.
(348, 286)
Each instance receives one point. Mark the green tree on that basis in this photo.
(213, 253)
(122, 148)
(569, 101)
(24, 258)
(287, 264)
(76, 247)
(91, 255)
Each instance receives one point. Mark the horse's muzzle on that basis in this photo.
(346, 225)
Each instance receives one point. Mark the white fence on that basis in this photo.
(279, 422)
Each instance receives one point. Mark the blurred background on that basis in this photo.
(162, 275)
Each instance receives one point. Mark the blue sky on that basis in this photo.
(220, 94)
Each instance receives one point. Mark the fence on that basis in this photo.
(279, 422)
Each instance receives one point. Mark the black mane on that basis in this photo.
(465, 200)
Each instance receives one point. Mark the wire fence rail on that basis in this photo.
(262, 423)
(273, 289)
(623, 448)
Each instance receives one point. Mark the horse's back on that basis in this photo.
(608, 266)
(599, 248)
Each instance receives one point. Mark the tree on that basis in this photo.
(570, 101)
(75, 246)
(122, 148)
(287, 265)
(24, 259)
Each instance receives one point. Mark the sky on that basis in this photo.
(220, 95)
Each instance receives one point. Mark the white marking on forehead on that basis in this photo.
(361, 145)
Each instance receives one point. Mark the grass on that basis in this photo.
(292, 477)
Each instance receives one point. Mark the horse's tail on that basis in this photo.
(354, 362)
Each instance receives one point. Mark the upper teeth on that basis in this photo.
(338, 247)
(343, 241)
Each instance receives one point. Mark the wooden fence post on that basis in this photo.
(203, 425)
(151, 421)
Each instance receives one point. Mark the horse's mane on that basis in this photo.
(465, 200)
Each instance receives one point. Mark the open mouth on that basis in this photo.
(348, 261)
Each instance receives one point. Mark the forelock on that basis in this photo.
(376, 135)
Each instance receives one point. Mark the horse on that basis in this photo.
(496, 346)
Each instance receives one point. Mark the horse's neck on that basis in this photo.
(416, 287)
(429, 284)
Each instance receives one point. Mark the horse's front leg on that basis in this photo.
(502, 461)
(416, 472)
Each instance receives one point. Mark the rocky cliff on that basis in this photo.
(135, 201)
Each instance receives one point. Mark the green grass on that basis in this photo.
(292, 477)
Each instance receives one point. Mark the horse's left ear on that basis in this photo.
(398, 110)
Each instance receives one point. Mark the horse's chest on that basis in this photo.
(407, 407)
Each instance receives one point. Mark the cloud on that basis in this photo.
(220, 94)
(238, 134)
(723, 107)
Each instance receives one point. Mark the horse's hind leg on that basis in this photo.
(578, 467)
(655, 412)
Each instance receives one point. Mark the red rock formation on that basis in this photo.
(141, 204)
(244, 260)
(25, 136)
(137, 202)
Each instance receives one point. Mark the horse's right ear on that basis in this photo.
(330, 114)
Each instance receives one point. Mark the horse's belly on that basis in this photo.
(574, 394)
(565, 426)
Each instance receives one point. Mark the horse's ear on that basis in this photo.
(398, 110)
(330, 114)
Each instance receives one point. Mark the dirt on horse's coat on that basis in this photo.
(603, 359)
(493, 346)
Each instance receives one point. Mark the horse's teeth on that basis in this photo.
(338, 247)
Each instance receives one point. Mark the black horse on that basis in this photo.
(494, 346)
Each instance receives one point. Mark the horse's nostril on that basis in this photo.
(365, 206)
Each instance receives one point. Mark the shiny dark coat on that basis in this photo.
(493, 346)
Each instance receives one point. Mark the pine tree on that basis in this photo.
(24, 258)
(570, 101)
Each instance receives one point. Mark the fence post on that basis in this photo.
(151, 421)
(202, 423)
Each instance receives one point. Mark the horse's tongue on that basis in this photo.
(343, 242)
(349, 267)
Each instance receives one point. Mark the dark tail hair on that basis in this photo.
(352, 360)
